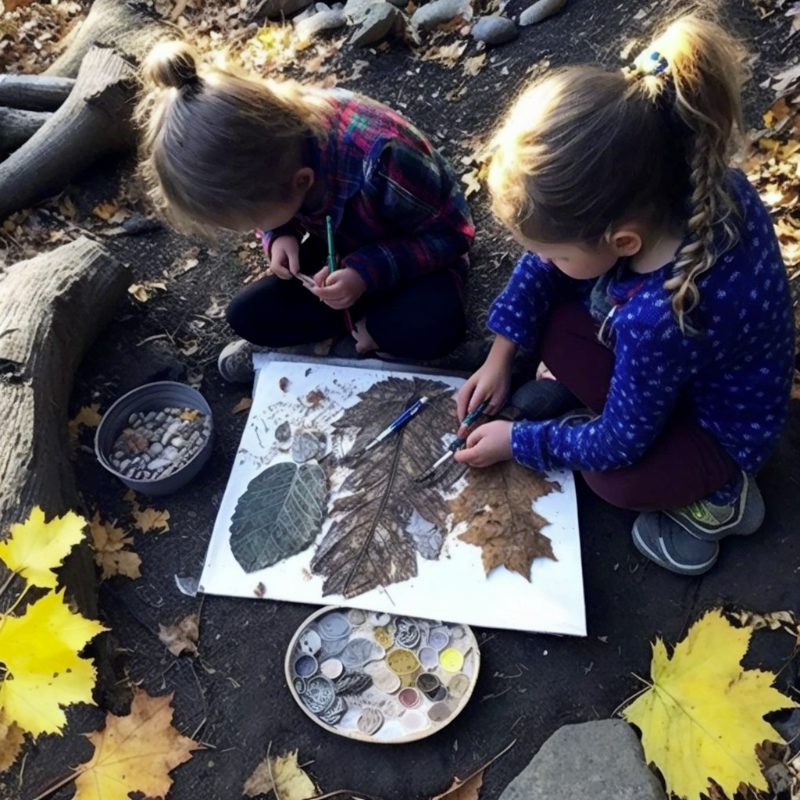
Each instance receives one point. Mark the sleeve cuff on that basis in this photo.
(527, 444)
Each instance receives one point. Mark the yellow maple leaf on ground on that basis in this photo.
(134, 753)
(109, 553)
(40, 651)
(704, 714)
(35, 547)
(88, 417)
(11, 738)
(281, 775)
(148, 519)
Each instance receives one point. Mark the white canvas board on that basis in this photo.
(454, 587)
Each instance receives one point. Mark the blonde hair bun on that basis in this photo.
(171, 65)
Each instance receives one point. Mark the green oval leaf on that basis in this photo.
(279, 515)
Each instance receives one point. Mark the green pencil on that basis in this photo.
(331, 248)
(332, 265)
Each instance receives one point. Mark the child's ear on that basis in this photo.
(626, 242)
(303, 179)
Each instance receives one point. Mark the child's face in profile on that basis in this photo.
(578, 261)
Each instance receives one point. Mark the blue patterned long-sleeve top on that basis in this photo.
(734, 373)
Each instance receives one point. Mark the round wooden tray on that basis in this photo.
(458, 683)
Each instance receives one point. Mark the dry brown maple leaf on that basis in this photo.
(134, 753)
(463, 790)
(496, 505)
(242, 405)
(181, 637)
(108, 543)
(148, 519)
(11, 738)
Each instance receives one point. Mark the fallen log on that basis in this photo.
(34, 92)
(51, 308)
(17, 126)
(92, 122)
(126, 25)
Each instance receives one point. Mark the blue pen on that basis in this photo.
(407, 415)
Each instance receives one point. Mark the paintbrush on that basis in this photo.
(456, 444)
(332, 265)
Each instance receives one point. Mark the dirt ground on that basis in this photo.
(233, 696)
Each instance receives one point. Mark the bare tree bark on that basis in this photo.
(94, 121)
(51, 309)
(17, 126)
(34, 92)
(127, 25)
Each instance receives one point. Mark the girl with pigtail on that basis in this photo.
(652, 289)
(224, 150)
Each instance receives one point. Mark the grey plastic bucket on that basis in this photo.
(153, 397)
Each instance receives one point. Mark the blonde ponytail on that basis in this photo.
(217, 145)
(705, 73)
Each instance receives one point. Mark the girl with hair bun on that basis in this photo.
(224, 150)
(652, 289)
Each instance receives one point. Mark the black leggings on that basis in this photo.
(420, 320)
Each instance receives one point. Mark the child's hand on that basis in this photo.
(339, 289)
(284, 259)
(487, 445)
(490, 382)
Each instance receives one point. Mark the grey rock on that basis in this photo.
(540, 11)
(494, 30)
(170, 432)
(157, 464)
(146, 475)
(133, 419)
(170, 453)
(151, 415)
(376, 20)
(156, 448)
(320, 7)
(124, 465)
(279, 8)
(441, 11)
(307, 445)
(323, 21)
(161, 418)
(178, 442)
(602, 760)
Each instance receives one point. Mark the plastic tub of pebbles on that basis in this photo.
(156, 438)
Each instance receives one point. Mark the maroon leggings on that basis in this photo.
(684, 464)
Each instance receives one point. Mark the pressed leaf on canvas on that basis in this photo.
(278, 515)
(496, 505)
(282, 776)
(704, 714)
(372, 540)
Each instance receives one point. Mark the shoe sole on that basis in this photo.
(679, 569)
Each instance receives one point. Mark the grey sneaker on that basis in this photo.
(662, 540)
(544, 399)
(235, 362)
(712, 523)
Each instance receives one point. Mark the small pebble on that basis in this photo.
(438, 12)
(540, 11)
(178, 442)
(161, 418)
(156, 448)
(151, 415)
(132, 419)
(494, 30)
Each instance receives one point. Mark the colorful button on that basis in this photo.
(451, 660)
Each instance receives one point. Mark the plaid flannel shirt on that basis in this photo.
(396, 206)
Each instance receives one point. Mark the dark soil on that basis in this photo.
(233, 697)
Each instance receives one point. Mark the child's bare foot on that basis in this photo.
(364, 341)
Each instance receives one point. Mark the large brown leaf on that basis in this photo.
(497, 506)
(386, 517)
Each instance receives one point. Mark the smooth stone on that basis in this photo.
(158, 464)
(178, 442)
(440, 11)
(376, 21)
(156, 448)
(170, 432)
(307, 445)
(133, 419)
(279, 8)
(602, 760)
(170, 453)
(494, 30)
(320, 7)
(540, 11)
(161, 418)
(124, 464)
(323, 21)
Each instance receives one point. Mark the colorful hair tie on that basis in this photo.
(647, 63)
